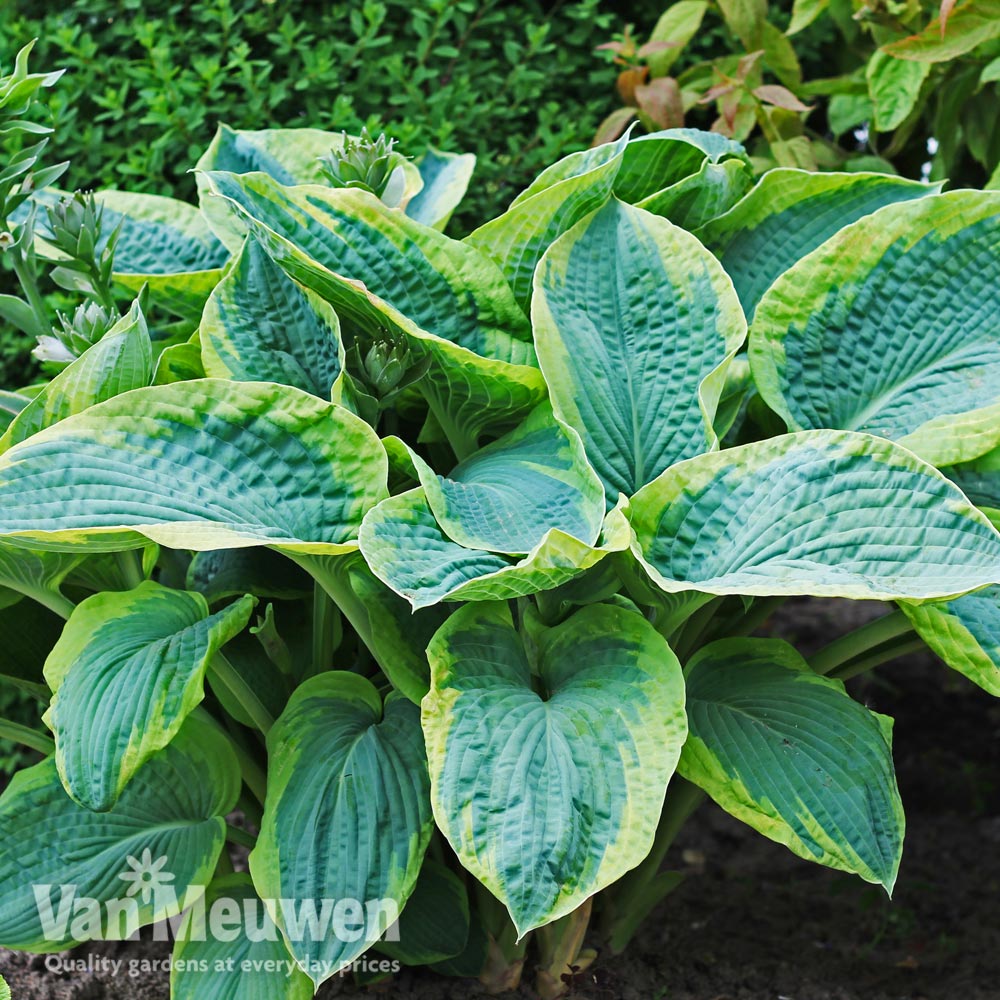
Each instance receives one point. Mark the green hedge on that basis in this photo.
(147, 82)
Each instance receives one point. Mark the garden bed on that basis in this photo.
(751, 921)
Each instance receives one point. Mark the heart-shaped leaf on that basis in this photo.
(382, 270)
(408, 550)
(550, 755)
(126, 672)
(792, 755)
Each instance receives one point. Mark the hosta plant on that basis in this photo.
(443, 562)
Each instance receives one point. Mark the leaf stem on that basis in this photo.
(130, 566)
(323, 630)
(883, 654)
(253, 774)
(687, 638)
(29, 285)
(861, 641)
(222, 672)
(53, 600)
(636, 893)
(236, 835)
(27, 737)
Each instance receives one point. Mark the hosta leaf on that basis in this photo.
(965, 633)
(792, 755)
(889, 328)
(507, 496)
(434, 924)
(789, 213)
(179, 363)
(260, 325)
(37, 574)
(165, 244)
(121, 360)
(289, 155)
(237, 967)
(826, 513)
(634, 323)
(555, 202)
(126, 672)
(549, 785)
(446, 177)
(980, 482)
(174, 809)
(701, 197)
(894, 86)
(378, 268)
(661, 159)
(347, 816)
(197, 465)
(408, 550)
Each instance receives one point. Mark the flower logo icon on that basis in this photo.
(147, 876)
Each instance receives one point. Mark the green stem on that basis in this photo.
(890, 651)
(861, 641)
(130, 566)
(324, 629)
(253, 774)
(26, 737)
(761, 609)
(54, 601)
(30, 288)
(635, 894)
(461, 443)
(331, 574)
(686, 639)
(222, 672)
(236, 835)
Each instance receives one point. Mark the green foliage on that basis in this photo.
(149, 82)
(442, 557)
(796, 81)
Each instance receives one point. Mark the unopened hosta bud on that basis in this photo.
(363, 163)
(386, 363)
(75, 334)
(75, 222)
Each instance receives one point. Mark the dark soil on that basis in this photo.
(753, 922)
